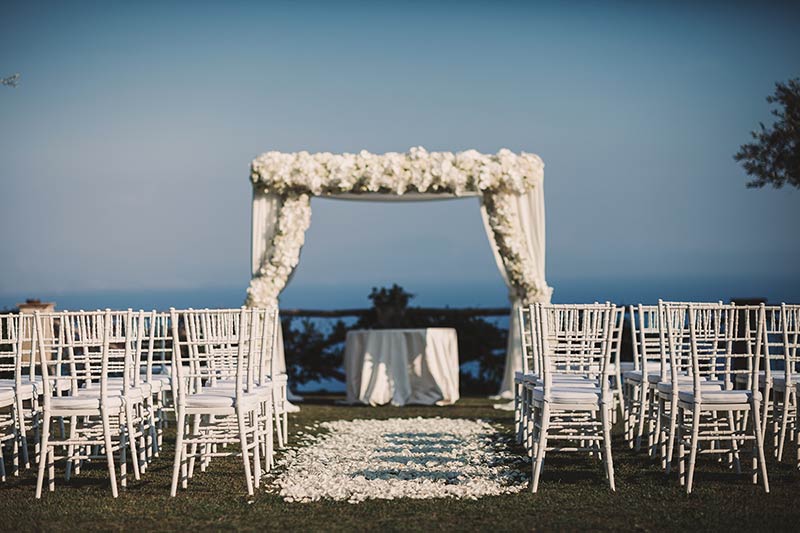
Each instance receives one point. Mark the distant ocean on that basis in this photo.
(349, 296)
(481, 294)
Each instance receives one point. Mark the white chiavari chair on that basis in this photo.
(646, 343)
(8, 430)
(74, 349)
(675, 367)
(724, 343)
(785, 381)
(571, 409)
(20, 366)
(616, 362)
(219, 399)
(526, 341)
(9, 390)
(158, 371)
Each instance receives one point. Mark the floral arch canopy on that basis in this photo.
(509, 186)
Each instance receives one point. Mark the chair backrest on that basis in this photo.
(674, 336)
(526, 337)
(790, 316)
(576, 339)
(774, 361)
(156, 344)
(9, 341)
(726, 341)
(125, 332)
(73, 348)
(646, 335)
(264, 326)
(18, 359)
(616, 337)
(212, 345)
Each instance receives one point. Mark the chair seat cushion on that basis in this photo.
(84, 400)
(229, 385)
(718, 396)
(779, 380)
(164, 380)
(742, 378)
(655, 377)
(569, 395)
(633, 375)
(219, 398)
(26, 387)
(135, 394)
(665, 387)
(6, 396)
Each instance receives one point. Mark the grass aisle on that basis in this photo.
(573, 495)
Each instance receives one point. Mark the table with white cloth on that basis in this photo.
(402, 366)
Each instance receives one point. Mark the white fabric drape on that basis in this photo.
(264, 222)
(528, 215)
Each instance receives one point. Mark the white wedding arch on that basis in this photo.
(509, 185)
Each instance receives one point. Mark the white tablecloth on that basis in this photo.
(402, 366)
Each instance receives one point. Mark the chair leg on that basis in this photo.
(541, 446)
(245, 455)
(22, 432)
(759, 441)
(109, 446)
(607, 458)
(132, 440)
(193, 447)
(644, 412)
(73, 420)
(737, 465)
(681, 449)
(673, 418)
(2, 463)
(42, 462)
(285, 400)
(256, 449)
(784, 423)
(179, 446)
(694, 443)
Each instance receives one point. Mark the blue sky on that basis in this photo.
(124, 152)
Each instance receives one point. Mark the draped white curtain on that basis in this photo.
(526, 214)
(265, 211)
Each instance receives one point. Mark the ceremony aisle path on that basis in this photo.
(572, 491)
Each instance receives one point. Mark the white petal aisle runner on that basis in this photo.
(400, 458)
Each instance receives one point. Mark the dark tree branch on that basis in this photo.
(773, 158)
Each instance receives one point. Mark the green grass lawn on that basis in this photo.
(573, 495)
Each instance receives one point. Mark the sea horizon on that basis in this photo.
(426, 294)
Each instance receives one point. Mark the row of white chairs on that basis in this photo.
(724, 359)
(765, 339)
(101, 384)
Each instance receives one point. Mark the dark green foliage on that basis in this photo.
(394, 296)
(314, 352)
(774, 156)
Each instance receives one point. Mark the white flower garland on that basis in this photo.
(518, 262)
(294, 217)
(295, 176)
(415, 171)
